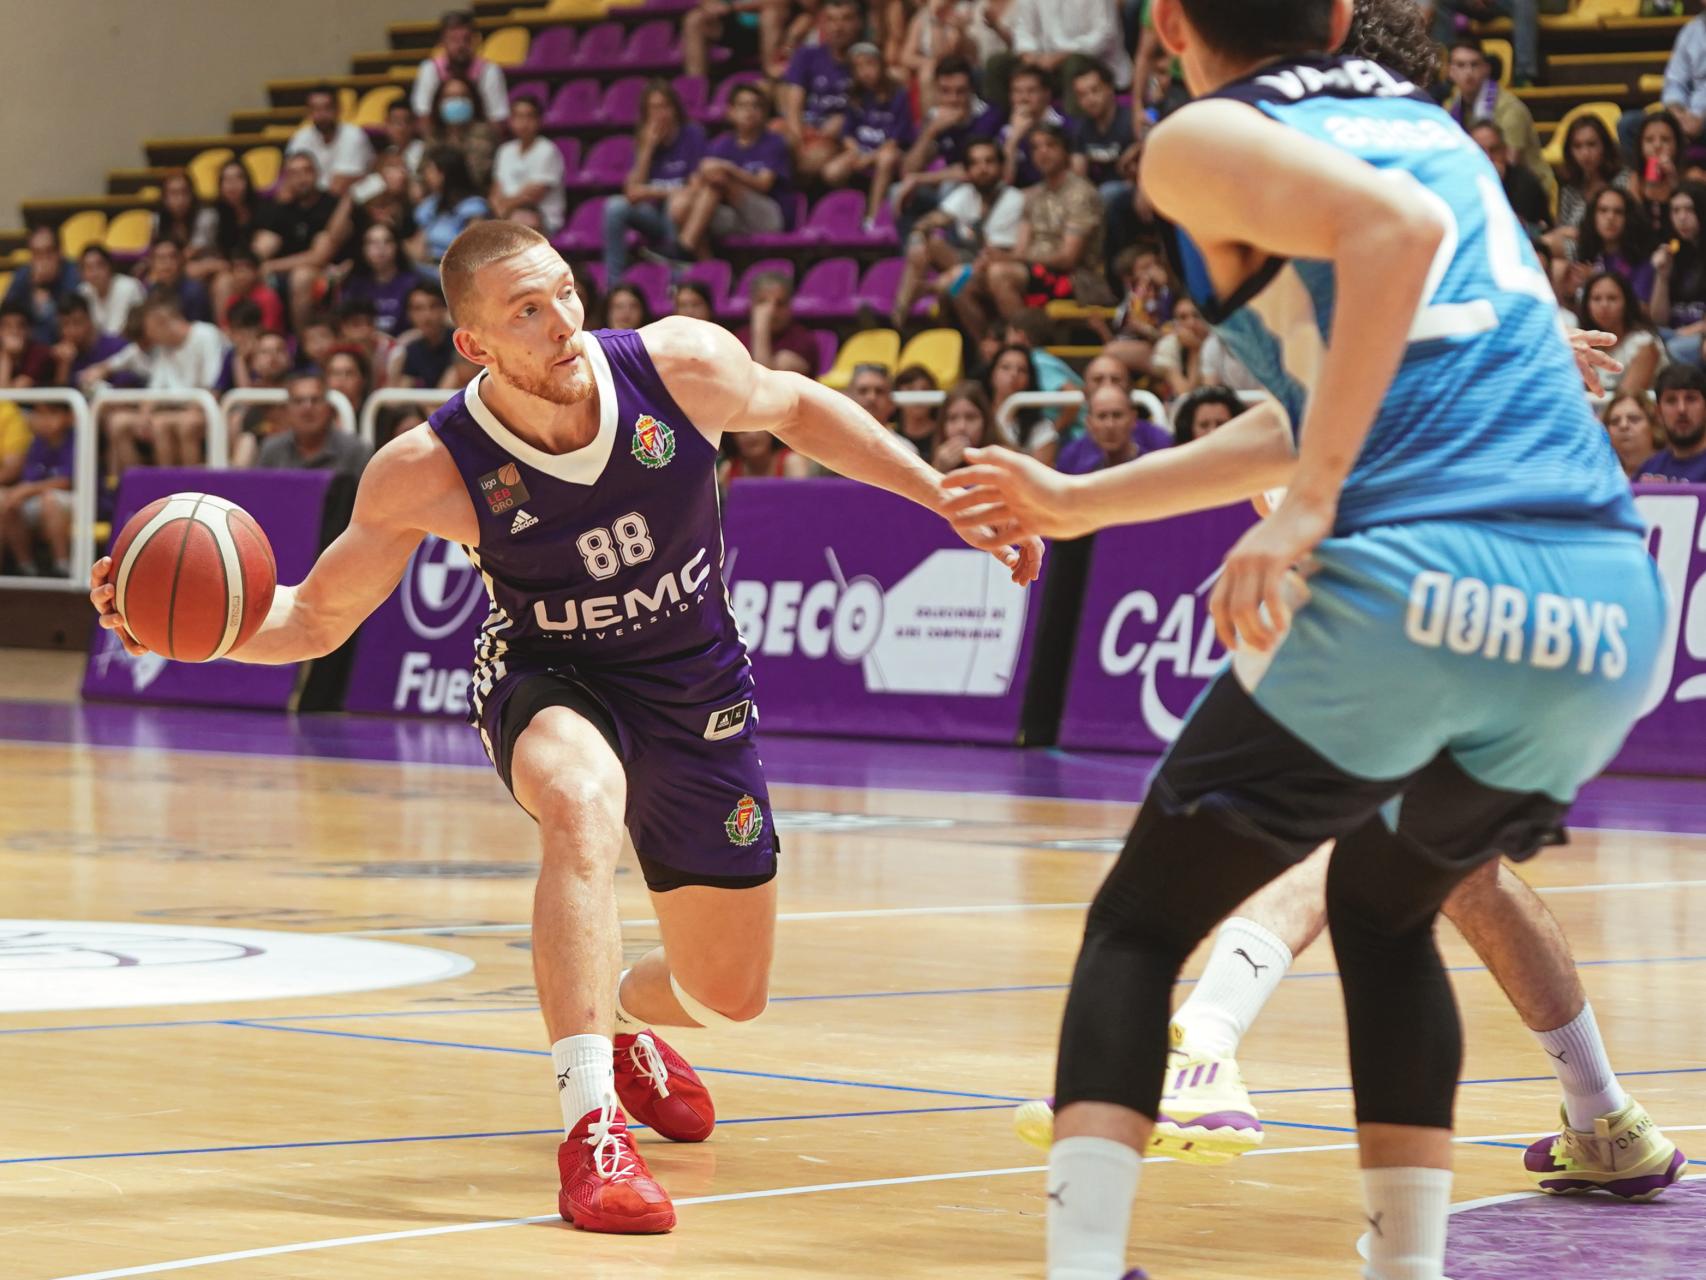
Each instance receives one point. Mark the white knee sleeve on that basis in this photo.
(703, 1014)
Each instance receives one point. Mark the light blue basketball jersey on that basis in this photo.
(1486, 418)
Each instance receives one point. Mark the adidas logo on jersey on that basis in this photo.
(522, 522)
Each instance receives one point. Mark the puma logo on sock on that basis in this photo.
(1256, 968)
(1374, 1223)
(1562, 1057)
(562, 1081)
(1057, 1195)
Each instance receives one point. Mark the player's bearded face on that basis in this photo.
(542, 374)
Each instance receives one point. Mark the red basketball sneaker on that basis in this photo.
(605, 1184)
(660, 1090)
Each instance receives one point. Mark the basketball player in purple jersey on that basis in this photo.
(611, 688)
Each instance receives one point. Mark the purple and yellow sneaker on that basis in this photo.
(1625, 1156)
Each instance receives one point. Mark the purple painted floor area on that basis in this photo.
(1582, 1238)
(1634, 803)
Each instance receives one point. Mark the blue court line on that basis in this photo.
(459, 1137)
(1345, 1088)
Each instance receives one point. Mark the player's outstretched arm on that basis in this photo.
(706, 366)
(353, 575)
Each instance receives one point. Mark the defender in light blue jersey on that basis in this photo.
(1480, 622)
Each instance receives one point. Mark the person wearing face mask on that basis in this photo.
(457, 59)
(460, 121)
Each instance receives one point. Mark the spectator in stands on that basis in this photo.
(667, 155)
(40, 286)
(528, 169)
(750, 455)
(739, 185)
(1522, 188)
(24, 362)
(1592, 162)
(313, 441)
(1684, 93)
(939, 29)
(288, 240)
(382, 275)
(1062, 39)
(1116, 435)
(1032, 330)
(1477, 96)
(1525, 24)
(920, 425)
(936, 161)
(427, 357)
(1614, 237)
(1157, 82)
(236, 218)
(462, 124)
(1009, 373)
(247, 286)
(262, 361)
(814, 88)
(625, 307)
(750, 26)
(243, 330)
(1632, 422)
(81, 343)
(457, 59)
(1681, 391)
(452, 202)
(692, 298)
(181, 218)
(873, 390)
(1105, 149)
(1678, 304)
(1656, 172)
(166, 271)
(774, 337)
(981, 213)
(35, 512)
(348, 372)
(1058, 256)
(1610, 305)
(1107, 371)
(1203, 410)
(111, 294)
(403, 137)
(1179, 353)
(876, 130)
(262, 364)
(968, 422)
(341, 151)
(358, 327)
(1032, 94)
(174, 354)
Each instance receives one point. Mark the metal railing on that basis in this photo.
(218, 437)
(83, 482)
(396, 395)
(278, 395)
(1010, 407)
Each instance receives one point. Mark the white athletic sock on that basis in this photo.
(1578, 1056)
(1407, 1209)
(626, 1023)
(1091, 1182)
(586, 1076)
(1245, 966)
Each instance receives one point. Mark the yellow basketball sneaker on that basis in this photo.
(1206, 1114)
(1625, 1155)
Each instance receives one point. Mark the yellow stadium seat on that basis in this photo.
(1652, 84)
(347, 98)
(370, 111)
(507, 46)
(1501, 49)
(571, 9)
(204, 172)
(5, 282)
(1608, 112)
(869, 346)
(81, 230)
(263, 164)
(942, 351)
(130, 231)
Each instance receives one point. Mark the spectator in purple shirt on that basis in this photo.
(81, 343)
(384, 276)
(814, 87)
(667, 156)
(38, 507)
(936, 160)
(1681, 391)
(1615, 237)
(1116, 435)
(1033, 104)
(738, 188)
(876, 130)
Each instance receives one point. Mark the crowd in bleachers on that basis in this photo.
(958, 177)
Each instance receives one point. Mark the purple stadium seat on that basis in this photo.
(652, 47)
(584, 233)
(692, 90)
(593, 271)
(669, 6)
(621, 105)
(827, 292)
(538, 88)
(789, 239)
(576, 103)
(652, 280)
(827, 347)
(881, 283)
(570, 150)
(740, 301)
(716, 275)
(719, 108)
(836, 219)
(553, 49)
(608, 162)
(600, 47)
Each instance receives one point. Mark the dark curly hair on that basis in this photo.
(1394, 34)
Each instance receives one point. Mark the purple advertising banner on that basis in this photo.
(288, 505)
(1146, 647)
(867, 617)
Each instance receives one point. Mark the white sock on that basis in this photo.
(586, 1076)
(1578, 1056)
(1245, 966)
(626, 1023)
(1407, 1209)
(1091, 1182)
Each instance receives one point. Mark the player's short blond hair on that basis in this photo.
(482, 244)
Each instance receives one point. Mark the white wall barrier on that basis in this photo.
(218, 441)
(83, 483)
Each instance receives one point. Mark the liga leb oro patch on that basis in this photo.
(503, 488)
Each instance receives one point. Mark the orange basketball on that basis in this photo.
(193, 576)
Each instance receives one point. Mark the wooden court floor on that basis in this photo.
(409, 1131)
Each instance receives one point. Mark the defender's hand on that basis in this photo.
(1006, 495)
